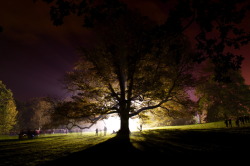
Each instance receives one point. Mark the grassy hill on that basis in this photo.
(171, 140)
(212, 125)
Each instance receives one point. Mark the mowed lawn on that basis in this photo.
(189, 140)
(194, 139)
(45, 148)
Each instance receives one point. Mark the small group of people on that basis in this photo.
(242, 120)
(104, 130)
(239, 121)
(228, 122)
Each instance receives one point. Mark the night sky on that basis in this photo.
(34, 54)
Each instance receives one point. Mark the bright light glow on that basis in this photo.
(113, 123)
(134, 124)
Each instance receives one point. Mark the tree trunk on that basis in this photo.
(124, 131)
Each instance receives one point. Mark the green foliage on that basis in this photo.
(35, 113)
(42, 109)
(8, 110)
(170, 113)
(223, 100)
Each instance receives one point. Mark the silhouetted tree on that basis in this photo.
(124, 75)
(138, 65)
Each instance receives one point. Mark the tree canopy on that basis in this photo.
(8, 110)
(217, 24)
(137, 64)
(127, 73)
(222, 100)
(35, 113)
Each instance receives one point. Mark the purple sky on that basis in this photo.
(34, 54)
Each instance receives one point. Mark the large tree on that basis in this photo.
(138, 65)
(222, 100)
(122, 75)
(8, 110)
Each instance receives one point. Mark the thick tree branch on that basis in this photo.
(147, 108)
(167, 111)
(189, 23)
(113, 93)
(160, 103)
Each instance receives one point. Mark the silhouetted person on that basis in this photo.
(29, 133)
(241, 120)
(226, 122)
(230, 122)
(96, 131)
(113, 132)
(237, 122)
(140, 128)
(105, 130)
(246, 118)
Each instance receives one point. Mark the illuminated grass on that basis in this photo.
(193, 139)
(7, 137)
(169, 139)
(45, 148)
(212, 125)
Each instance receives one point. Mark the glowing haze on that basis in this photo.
(113, 124)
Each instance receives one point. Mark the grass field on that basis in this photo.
(212, 125)
(188, 139)
(45, 148)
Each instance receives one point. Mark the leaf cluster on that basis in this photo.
(8, 110)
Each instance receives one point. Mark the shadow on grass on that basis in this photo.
(164, 145)
(104, 152)
(9, 140)
(212, 142)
